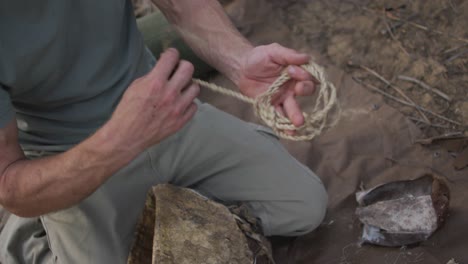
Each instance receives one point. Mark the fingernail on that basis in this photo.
(292, 69)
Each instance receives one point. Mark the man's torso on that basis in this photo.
(65, 65)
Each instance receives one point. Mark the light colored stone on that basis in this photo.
(403, 212)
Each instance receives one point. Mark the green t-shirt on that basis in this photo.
(64, 64)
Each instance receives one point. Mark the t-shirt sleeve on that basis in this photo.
(6, 108)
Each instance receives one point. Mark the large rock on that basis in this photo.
(181, 226)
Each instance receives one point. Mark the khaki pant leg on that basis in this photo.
(23, 240)
(231, 160)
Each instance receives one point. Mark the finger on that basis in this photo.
(182, 77)
(299, 74)
(190, 111)
(280, 110)
(304, 88)
(286, 56)
(166, 64)
(188, 96)
(286, 91)
(293, 111)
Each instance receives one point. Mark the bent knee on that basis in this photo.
(310, 211)
(301, 216)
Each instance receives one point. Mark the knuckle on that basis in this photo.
(275, 45)
(186, 67)
(137, 83)
(191, 110)
(169, 98)
(194, 109)
(176, 112)
(157, 84)
(170, 53)
(196, 89)
(310, 86)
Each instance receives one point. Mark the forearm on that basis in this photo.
(153, 107)
(34, 187)
(209, 32)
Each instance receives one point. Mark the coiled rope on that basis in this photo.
(314, 122)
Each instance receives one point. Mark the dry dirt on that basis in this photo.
(424, 40)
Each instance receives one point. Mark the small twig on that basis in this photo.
(454, 48)
(390, 32)
(375, 89)
(418, 259)
(423, 122)
(398, 257)
(414, 163)
(396, 18)
(393, 17)
(398, 90)
(425, 86)
(453, 6)
(344, 255)
(449, 135)
(392, 27)
(461, 53)
(370, 86)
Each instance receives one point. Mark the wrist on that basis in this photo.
(108, 146)
(237, 61)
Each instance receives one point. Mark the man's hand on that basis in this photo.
(208, 31)
(264, 64)
(153, 108)
(156, 105)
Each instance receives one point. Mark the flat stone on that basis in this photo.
(403, 212)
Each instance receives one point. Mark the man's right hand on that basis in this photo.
(153, 108)
(156, 105)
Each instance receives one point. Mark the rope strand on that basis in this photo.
(314, 122)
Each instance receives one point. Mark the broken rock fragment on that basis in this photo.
(403, 212)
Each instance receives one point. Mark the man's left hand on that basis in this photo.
(264, 64)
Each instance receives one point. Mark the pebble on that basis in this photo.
(426, 100)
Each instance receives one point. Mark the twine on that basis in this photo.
(314, 122)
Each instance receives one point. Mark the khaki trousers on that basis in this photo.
(217, 154)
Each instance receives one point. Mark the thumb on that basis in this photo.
(286, 56)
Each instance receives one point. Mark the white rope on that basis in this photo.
(314, 122)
